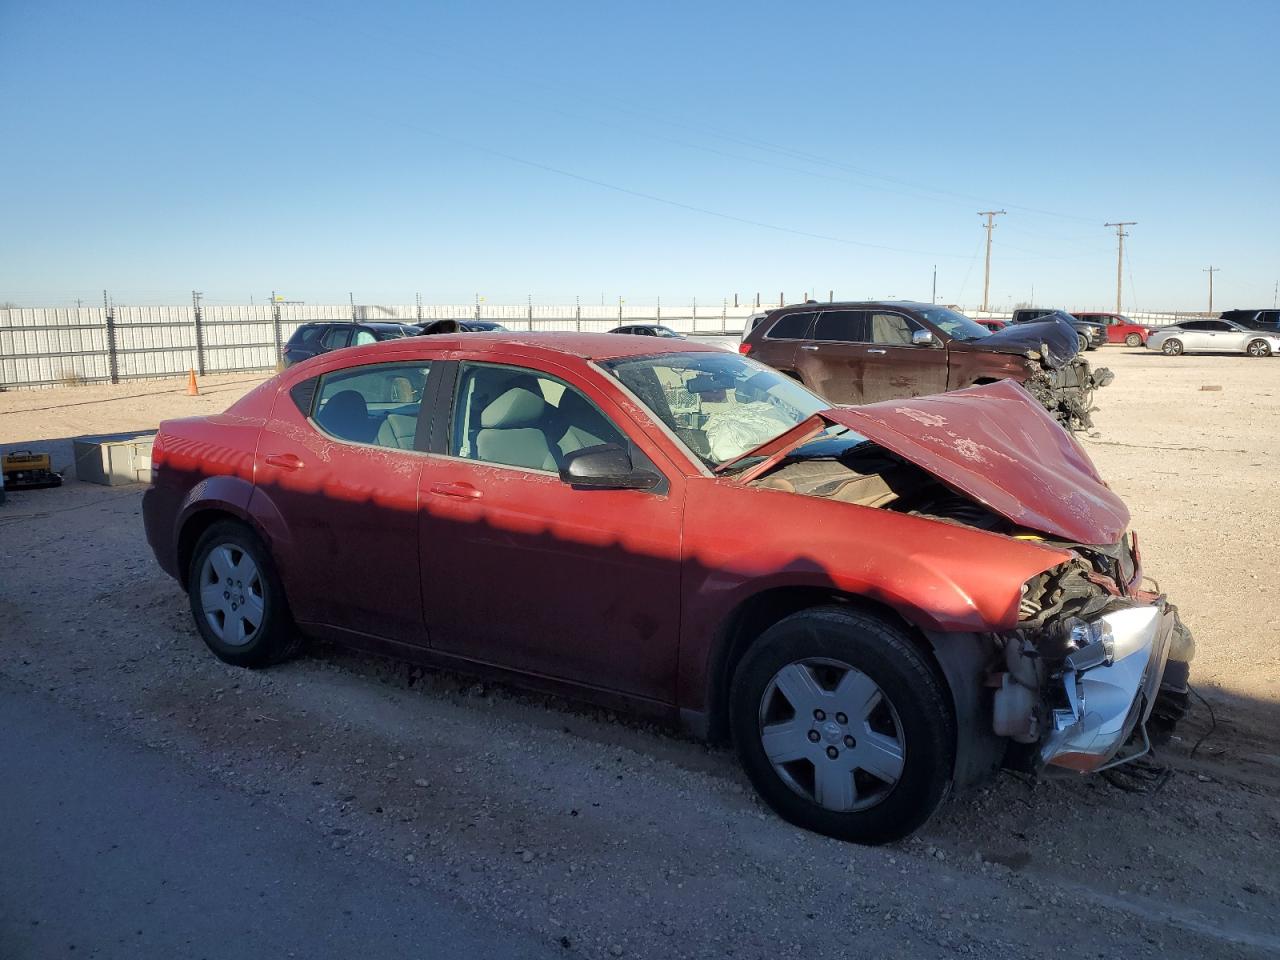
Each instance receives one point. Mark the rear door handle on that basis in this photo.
(807, 346)
(285, 461)
(876, 351)
(460, 491)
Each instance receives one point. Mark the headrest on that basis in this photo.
(515, 408)
(346, 403)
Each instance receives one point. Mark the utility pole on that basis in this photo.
(935, 284)
(1120, 235)
(1211, 271)
(351, 297)
(988, 226)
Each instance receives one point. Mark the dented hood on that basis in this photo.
(997, 444)
(1054, 340)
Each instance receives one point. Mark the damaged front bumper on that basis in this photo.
(1110, 687)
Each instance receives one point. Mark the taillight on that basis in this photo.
(744, 348)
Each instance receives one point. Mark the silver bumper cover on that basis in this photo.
(1108, 701)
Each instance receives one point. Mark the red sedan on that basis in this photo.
(877, 604)
(1120, 329)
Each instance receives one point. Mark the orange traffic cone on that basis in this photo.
(192, 389)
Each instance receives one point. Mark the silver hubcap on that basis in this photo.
(1257, 349)
(231, 595)
(1172, 347)
(831, 734)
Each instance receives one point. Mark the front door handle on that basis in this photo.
(807, 346)
(285, 461)
(460, 491)
(876, 351)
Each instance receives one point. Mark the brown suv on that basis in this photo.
(864, 352)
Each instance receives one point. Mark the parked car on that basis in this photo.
(876, 604)
(648, 330)
(866, 352)
(1092, 334)
(1267, 320)
(1212, 336)
(432, 327)
(313, 339)
(1119, 328)
(995, 326)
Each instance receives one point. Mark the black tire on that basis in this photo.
(907, 680)
(1171, 347)
(1258, 348)
(275, 638)
(1133, 340)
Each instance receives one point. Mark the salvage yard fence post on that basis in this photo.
(113, 356)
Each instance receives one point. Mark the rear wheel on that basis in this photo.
(1133, 340)
(843, 726)
(236, 598)
(1171, 347)
(1259, 348)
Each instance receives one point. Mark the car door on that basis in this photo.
(781, 341)
(1195, 335)
(522, 570)
(895, 366)
(1229, 338)
(337, 464)
(833, 362)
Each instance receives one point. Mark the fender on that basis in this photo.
(221, 494)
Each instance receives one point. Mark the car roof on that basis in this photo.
(854, 304)
(586, 346)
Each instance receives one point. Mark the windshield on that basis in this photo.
(953, 324)
(720, 405)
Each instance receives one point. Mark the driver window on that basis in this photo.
(520, 418)
(362, 337)
(891, 329)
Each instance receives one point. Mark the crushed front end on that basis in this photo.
(1094, 661)
(1066, 389)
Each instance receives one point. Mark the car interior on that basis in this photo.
(521, 419)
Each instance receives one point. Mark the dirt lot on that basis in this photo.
(569, 826)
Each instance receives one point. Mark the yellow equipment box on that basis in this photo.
(24, 469)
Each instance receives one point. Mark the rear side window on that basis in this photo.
(306, 336)
(846, 326)
(794, 326)
(362, 337)
(335, 337)
(377, 404)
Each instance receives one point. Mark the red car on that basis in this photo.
(878, 604)
(1120, 329)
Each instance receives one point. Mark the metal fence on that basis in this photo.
(52, 346)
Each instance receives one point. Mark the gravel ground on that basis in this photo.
(607, 837)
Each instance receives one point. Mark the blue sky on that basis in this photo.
(605, 150)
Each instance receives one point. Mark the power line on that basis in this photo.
(1120, 235)
(988, 226)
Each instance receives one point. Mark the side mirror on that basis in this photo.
(921, 338)
(605, 467)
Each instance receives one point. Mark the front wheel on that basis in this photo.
(1133, 340)
(1171, 348)
(1259, 348)
(843, 726)
(237, 600)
